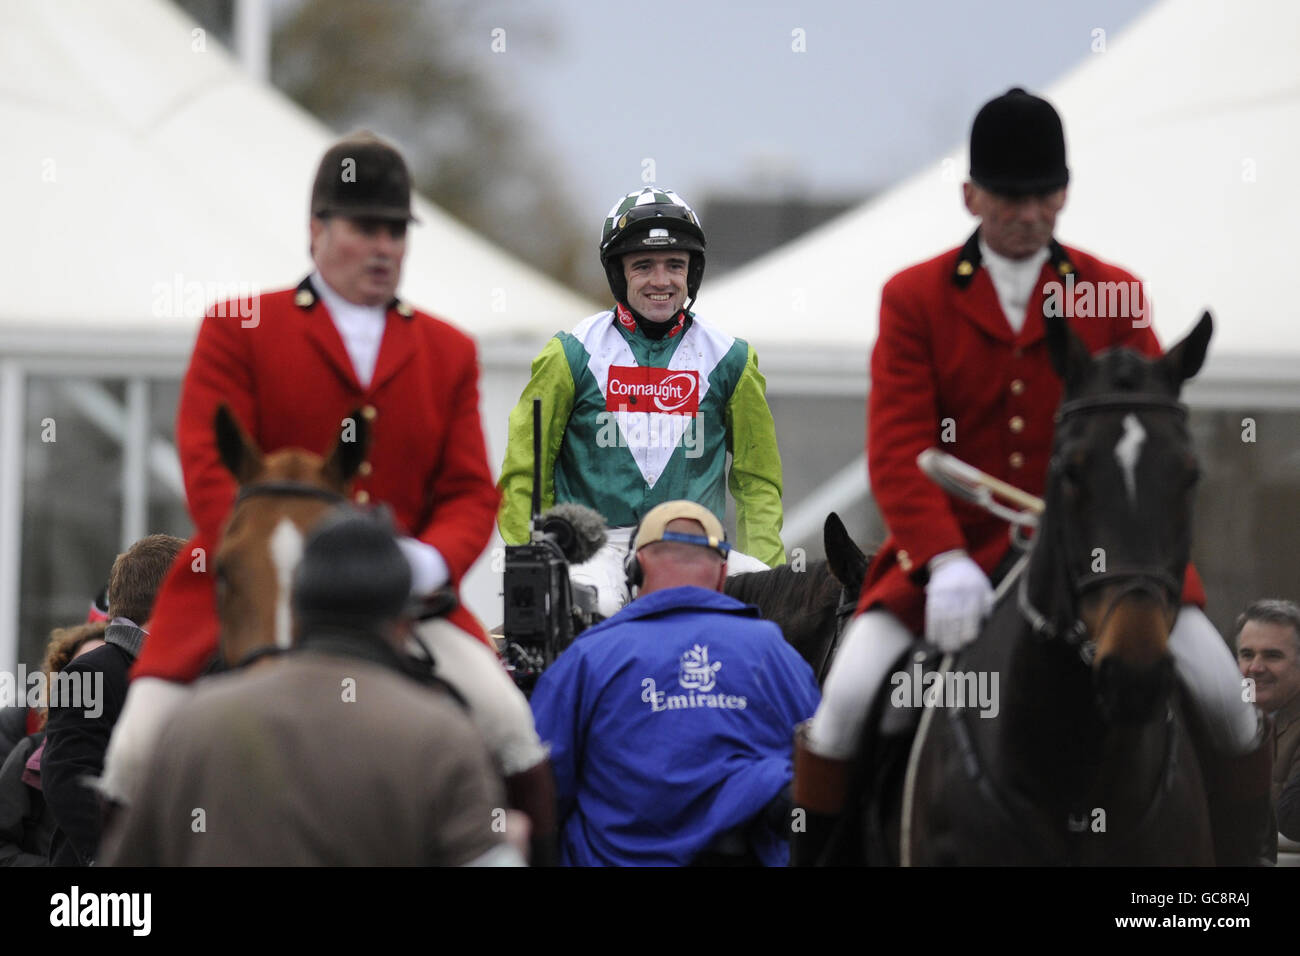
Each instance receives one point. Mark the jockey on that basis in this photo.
(642, 403)
(961, 362)
(292, 365)
(669, 724)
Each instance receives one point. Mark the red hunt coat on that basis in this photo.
(947, 365)
(289, 381)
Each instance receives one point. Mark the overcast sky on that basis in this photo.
(715, 94)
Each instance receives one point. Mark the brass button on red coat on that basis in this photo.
(369, 413)
(364, 469)
(1017, 424)
(904, 560)
(1017, 386)
(1016, 460)
(363, 496)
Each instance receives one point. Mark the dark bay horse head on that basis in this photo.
(809, 603)
(1116, 534)
(281, 495)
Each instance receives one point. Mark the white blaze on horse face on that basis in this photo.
(1127, 450)
(286, 552)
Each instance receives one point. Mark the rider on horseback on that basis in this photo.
(643, 402)
(961, 363)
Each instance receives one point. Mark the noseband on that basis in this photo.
(1156, 582)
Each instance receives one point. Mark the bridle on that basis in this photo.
(279, 488)
(843, 614)
(284, 488)
(1157, 582)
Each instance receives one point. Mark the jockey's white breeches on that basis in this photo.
(605, 570)
(496, 706)
(876, 639)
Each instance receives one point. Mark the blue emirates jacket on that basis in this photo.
(670, 724)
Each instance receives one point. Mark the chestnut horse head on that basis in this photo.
(281, 495)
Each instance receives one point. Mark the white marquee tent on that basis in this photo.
(1181, 136)
(144, 175)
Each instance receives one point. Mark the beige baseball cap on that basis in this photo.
(654, 527)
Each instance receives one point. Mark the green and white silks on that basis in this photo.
(629, 422)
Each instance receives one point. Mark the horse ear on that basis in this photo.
(1068, 353)
(847, 562)
(350, 449)
(242, 458)
(1186, 358)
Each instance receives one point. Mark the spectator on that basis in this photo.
(333, 754)
(89, 701)
(1267, 639)
(26, 823)
(15, 721)
(670, 722)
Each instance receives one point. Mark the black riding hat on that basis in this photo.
(1017, 146)
(352, 574)
(362, 177)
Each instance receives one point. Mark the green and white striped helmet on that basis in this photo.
(655, 219)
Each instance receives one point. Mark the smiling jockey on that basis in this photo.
(642, 403)
(961, 363)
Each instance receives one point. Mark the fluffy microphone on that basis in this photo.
(578, 531)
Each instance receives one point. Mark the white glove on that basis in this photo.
(956, 600)
(429, 570)
(150, 703)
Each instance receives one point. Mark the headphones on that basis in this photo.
(635, 574)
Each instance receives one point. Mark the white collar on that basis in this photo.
(1015, 270)
(340, 307)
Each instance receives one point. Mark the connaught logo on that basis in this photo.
(634, 388)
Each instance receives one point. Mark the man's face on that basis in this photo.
(656, 283)
(1268, 654)
(360, 259)
(1014, 227)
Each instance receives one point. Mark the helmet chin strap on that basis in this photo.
(652, 329)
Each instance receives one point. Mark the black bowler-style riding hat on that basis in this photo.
(1017, 146)
(362, 177)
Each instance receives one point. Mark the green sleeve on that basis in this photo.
(755, 479)
(552, 382)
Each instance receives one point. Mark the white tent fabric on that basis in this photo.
(1180, 138)
(144, 174)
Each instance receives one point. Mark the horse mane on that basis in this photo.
(785, 588)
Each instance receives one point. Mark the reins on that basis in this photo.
(979, 488)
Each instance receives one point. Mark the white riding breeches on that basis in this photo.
(871, 644)
(496, 706)
(874, 641)
(605, 570)
(1209, 672)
